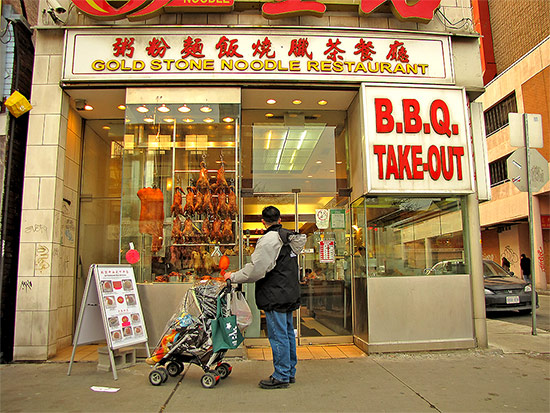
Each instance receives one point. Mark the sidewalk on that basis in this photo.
(512, 375)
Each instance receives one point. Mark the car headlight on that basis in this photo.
(528, 288)
(488, 291)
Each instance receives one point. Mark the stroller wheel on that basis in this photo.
(209, 380)
(174, 368)
(224, 370)
(164, 373)
(156, 377)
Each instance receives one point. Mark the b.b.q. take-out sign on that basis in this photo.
(417, 140)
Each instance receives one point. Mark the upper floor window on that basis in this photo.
(498, 171)
(497, 116)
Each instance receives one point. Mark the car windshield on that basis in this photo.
(492, 269)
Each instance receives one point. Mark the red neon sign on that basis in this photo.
(421, 11)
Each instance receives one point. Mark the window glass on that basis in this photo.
(410, 236)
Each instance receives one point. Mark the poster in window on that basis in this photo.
(322, 218)
(338, 218)
(327, 252)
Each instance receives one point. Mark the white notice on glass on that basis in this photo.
(326, 251)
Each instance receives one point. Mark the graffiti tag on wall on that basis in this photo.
(509, 254)
(540, 253)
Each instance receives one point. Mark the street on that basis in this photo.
(543, 315)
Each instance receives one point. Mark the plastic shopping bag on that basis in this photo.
(241, 309)
(225, 333)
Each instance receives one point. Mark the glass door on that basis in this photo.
(325, 267)
(100, 198)
(253, 229)
(325, 313)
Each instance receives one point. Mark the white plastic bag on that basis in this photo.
(240, 308)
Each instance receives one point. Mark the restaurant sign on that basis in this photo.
(223, 54)
(419, 10)
(417, 140)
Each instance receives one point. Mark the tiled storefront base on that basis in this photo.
(89, 353)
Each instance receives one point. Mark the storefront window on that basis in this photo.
(179, 190)
(298, 143)
(405, 236)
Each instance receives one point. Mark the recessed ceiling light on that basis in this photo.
(318, 161)
(322, 102)
(310, 176)
(148, 120)
(184, 109)
(208, 120)
(169, 120)
(122, 107)
(339, 162)
(88, 107)
(270, 101)
(218, 161)
(106, 127)
(163, 108)
(188, 120)
(228, 119)
(206, 109)
(142, 109)
(292, 115)
(296, 102)
(331, 170)
(269, 115)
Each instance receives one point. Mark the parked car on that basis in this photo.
(503, 290)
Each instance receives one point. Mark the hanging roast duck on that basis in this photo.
(176, 208)
(188, 230)
(199, 205)
(222, 204)
(206, 229)
(177, 235)
(189, 208)
(216, 233)
(227, 231)
(220, 179)
(232, 203)
(202, 183)
(208, 207)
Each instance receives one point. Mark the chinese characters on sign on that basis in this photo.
(420, 11)
(207, 55)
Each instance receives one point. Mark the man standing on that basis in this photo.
(525, 265)
(274, 269)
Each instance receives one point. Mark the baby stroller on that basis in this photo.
(188, 336)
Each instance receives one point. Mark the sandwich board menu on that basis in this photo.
(110, 310)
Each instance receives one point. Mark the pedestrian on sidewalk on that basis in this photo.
(525, 265)
(274, 269)
(505, 264)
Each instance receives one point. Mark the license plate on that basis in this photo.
(514, 299)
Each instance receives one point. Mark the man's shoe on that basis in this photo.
(291, 380)
(272, 383)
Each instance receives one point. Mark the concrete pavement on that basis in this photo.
(512, 375)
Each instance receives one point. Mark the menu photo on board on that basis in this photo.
(121, 307)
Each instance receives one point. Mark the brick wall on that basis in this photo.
(517, 26)
(536, 99)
